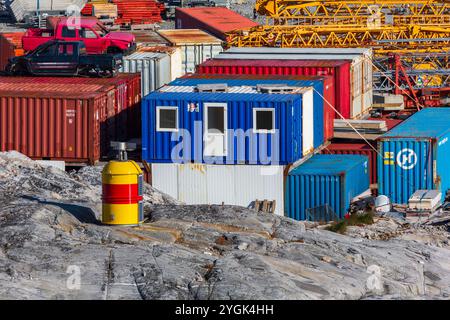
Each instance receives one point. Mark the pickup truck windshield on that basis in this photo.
(101, 30)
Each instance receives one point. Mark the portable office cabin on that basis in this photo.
(415, 155)
(234, 127)
(332, 180)
(323, 87)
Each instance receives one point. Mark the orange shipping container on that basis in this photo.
(215, 20)
(10, 46)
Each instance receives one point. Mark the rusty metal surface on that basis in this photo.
(178, 37)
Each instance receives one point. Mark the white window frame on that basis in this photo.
(206, 132)
(158, 123)
(255, 130)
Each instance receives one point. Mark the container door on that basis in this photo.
(308, 122)
(215, 129)
(405, 166)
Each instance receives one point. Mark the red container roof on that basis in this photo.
(219, 18)
(253, 77)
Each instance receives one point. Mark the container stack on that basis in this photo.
(229, 146)
(284, 100)
(168, 54)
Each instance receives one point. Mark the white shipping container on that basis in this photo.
(196, 46)
(216, 184)
(155, 69)
(195, 54)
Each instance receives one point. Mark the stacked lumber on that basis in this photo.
(131, 12)
(370, 129)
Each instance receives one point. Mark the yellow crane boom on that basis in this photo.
(382, 39)
(355, 12)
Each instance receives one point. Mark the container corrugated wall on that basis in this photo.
(323, 89)
(415, 155)
(216, 184)
(328, 93)
(340, 70)
(51, 127)
(155, 69)
(127, 94)
(194, 54)
(295, 139)
(332, 180)
(361, 83)
(356, 149)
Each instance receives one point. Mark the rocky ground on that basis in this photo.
(52, 247)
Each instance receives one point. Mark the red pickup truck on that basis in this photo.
(89, 30)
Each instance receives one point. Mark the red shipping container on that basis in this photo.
(358, 149)
(340, 70)
(10, 46)
(215, 20)
(64, 118)
(127, 94)
(328, 94)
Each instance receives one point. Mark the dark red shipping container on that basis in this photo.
(127, 94)
(328, 94)
(340, 70)
(358, 149)
(64, 118)
(215, 20)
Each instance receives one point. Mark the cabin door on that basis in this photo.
(215, 129)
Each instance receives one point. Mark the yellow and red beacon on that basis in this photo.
(122, 182)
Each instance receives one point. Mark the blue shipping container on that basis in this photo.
(415, 155)
(318, 86)
(227, 128)
(332, 180)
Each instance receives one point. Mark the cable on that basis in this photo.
(392, 81)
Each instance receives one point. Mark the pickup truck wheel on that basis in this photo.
(17, 70)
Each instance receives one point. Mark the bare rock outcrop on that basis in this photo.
(52, 247)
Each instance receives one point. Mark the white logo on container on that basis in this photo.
(406, 159)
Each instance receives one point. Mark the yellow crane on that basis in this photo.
(382, 38)
(360, 12)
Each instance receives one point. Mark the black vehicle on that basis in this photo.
(64, 58)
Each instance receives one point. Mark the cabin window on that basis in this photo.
(66, 49)
(87, 34)
(69, 33)
(216, 119)
(264, 120)
(167, 119)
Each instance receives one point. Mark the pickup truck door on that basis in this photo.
(94, 43)
(56, 58)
